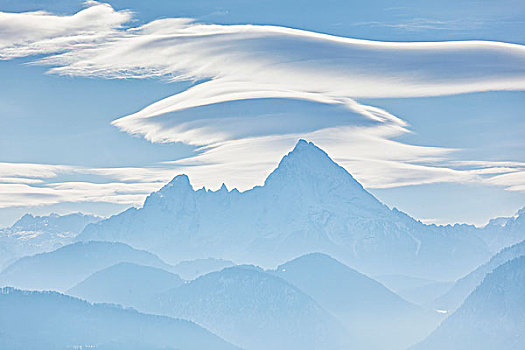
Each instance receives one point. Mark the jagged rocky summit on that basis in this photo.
(307, 204)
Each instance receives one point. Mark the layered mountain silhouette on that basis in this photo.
(52, 321)
(311, 213)
(126, 284)
(237, 303)
(308, 203)
(254, 310)
(377, 317)
(65, 267)
(340, 289)
(492, 317)
(453, 298)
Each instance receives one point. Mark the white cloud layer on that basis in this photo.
(258, 89)
(31, 33)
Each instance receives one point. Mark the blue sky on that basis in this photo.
(438, 149)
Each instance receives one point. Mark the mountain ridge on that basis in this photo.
(308, 203)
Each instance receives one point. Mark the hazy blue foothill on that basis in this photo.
(53, 321)
(492, 316)
(454, 297)
(245, 304)
(65, 267)
(254, 310)
(125, 284)
(364, 305)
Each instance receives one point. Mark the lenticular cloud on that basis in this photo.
(243, 62)
(250, 62)
(268, 85)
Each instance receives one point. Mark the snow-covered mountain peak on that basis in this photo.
(35, 222)
(308, 203)
(305, 155)
(305, 167)
(308, 163)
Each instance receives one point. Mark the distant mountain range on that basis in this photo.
(318, 236)
(504, 232)
(65, 267)
(308, 203)
(52, 321)
(492, 317)
(37, 234)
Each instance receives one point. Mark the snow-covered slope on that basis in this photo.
(69, 224)
(38, 234)
(504, 232)
(363, 304)
(52, 321)
(126, 284)
(65, 267)
(492, 317)
(307, 204)
(253, 310)
(464, 286)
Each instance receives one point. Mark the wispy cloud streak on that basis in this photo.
(26, 184)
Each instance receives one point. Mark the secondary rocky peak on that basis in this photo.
(223, 188)
(25, 220)
(178, 187)
(178, 181)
